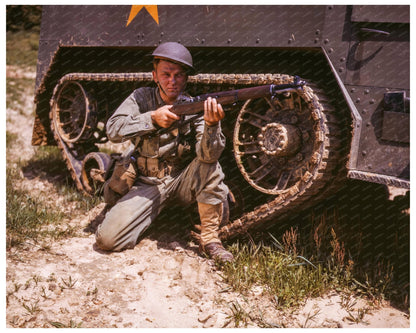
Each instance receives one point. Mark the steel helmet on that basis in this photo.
(174, 52)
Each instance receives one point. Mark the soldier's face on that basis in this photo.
(172, 78)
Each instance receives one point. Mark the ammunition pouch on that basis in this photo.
(153, 167)
(123, 177)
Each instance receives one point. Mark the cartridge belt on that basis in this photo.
(153, 167)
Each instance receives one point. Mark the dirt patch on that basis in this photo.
(153, 285)
(17, 72)
(162, 282)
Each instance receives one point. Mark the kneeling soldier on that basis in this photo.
(168, 165)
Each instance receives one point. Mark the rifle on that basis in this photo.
(195, 105)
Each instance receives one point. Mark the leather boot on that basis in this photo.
(210, 244)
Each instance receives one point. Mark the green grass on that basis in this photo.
(16, 91)
(21, 51)
(22, 48)
(29, 216)
(10, 139)
(48, 161)
(26, 216)
(287, 278)
(312, 261)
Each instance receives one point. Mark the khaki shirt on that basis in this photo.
(132, 121)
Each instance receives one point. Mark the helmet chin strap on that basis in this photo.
(161, 89)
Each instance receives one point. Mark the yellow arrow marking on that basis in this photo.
(151, 9)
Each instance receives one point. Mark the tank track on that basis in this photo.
(315, 183)
(71, 151)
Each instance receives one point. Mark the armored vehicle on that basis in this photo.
(284, 152)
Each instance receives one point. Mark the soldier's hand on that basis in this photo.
(163, 116)
(213, 112)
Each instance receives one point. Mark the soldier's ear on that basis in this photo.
(154, 76)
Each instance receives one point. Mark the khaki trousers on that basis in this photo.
(134, 212)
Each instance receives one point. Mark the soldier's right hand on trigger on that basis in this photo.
(164, 117)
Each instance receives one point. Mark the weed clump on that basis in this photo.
(26, 215)
(30, 216)
(289, 276)
(285, 275)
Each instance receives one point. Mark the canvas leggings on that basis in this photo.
(134, 212)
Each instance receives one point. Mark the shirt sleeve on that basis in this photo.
(210, 141)
(128, 122)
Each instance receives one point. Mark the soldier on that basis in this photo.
(180, 163)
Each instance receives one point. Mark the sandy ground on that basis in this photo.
(162, 282)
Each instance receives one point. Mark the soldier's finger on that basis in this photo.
(207, 110)
(209, 104)
(172, 115)
(214, 105)
(221, 112)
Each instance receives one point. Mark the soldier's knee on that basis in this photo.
(108, 239)
(105, 242)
